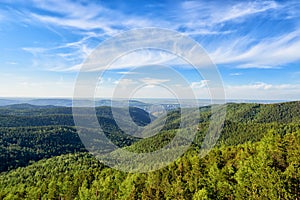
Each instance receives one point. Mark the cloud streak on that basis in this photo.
(95, 20)
(267, 53)
(248, 35)
(197, 15)
(262, 90)
(89, 17)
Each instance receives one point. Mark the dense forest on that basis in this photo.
(30, 133)
(256, 157)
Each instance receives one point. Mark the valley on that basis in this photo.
(44, 158)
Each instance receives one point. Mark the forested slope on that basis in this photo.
(29, 133)
(245, 122)
(268, 169)
(256, 157)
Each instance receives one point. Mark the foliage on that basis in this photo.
(268, 169)
(30, 133)
(257, 156)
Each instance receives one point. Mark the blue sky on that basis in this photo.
(254, 44)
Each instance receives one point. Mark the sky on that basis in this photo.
(255, 45)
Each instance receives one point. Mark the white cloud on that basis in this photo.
(93, 20)
(153, 81)
(244, 9)
(125, 82)
(61, 57)
(200, 84)
(127, 72)
(131, 60)
(199, 18)
(207, 32)
(70, 8)
(256, 65)
(143, 58)
(261, 90)
(88, 17)
(267, 53)
(236, 74)
(35, 50)
(197, 15)
(77, 23)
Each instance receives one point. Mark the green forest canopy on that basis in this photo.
(257, 157)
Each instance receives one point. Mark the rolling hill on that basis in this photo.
(259, 142)
(30, 133)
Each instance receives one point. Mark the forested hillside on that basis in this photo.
(30, 133)
(268, 169)
(256, 157)
(243, 123)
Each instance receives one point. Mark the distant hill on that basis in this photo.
(26, 106)
(259, 142)
(53, 102)
(244, 122)
(69, 102)
(5, 102)
(30, 133)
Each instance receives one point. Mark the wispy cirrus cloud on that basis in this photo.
(250, 35)
(243, 9)
(197, 15)
(87, 17)
(153, 81)
(91, 23)
(127, 72)
(245, 48)
(197, 18)
(266, 53)
(138, 58)
(235, 74)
